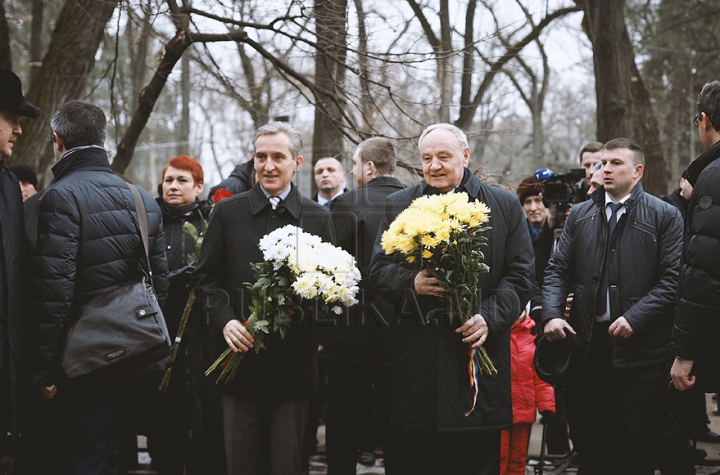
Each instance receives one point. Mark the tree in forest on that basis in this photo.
(624, 108)
(69, 59)
(681, 55)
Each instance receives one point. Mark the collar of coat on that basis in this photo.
(698, 165)
(599, 197)
(379, 181)
(86, 158)
(291, 204)
(469, 184)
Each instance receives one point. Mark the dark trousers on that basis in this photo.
(174, 454)
(358, 401)
(263, 435)
(42, 448)
(623, 416)
(557, 426)
(428, 453)
(92, 426)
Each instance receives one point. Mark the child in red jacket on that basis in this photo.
(528, 393)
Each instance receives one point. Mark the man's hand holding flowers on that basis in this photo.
(237, 337)
(475, 331)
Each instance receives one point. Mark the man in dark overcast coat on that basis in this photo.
(431, 390)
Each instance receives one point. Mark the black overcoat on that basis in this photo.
(431, 388)
(364, 336)
(13, 366)
(288, 367)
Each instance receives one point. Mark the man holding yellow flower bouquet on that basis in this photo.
(447, 419)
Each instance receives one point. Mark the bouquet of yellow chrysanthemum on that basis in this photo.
(298, 267)
(443, 234)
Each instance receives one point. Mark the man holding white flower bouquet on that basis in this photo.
(265, 403)
(451, 376)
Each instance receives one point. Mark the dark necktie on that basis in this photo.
(327, 204)
(603, 292)
(614, 208)
(274, 201)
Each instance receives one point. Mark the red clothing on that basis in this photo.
(529, 395)
(513, 453)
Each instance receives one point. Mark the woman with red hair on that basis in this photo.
(186, 427)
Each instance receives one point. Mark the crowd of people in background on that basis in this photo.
(602, 315)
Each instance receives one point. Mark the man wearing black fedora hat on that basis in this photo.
(12, 106)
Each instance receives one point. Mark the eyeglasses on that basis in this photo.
(51, 140)
(696, 120)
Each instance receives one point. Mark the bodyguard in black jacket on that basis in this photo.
(88, 244)
(618, 392)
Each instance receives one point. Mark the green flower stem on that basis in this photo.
(178, 339)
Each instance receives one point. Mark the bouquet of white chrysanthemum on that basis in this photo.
(298, 266)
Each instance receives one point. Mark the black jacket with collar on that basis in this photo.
(366, 336)
(288, 367)
(697, 322)
(88, 244)
(13, 313)
(431, 389)
(643, 261)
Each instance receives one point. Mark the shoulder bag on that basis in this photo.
(120, 332)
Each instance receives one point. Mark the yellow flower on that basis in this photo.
(427, 254)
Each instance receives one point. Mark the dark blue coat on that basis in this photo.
(88, 244)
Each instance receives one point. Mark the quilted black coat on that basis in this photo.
(697, 321)
(88, 244)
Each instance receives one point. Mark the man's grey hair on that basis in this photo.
(272, 128)
(79, 123)
(459, 134)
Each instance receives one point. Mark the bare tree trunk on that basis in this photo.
(5, 52)
(38, 6)
(363, 61)
(445, 64)
(330, 21)
(138, 48)
(184, 138)
(623, 101)
(69, 59)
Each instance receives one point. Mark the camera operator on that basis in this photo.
(541, 224)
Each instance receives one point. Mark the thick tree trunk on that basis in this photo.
(69, 59)
(623, 101)
(331, 21)
(5, 52)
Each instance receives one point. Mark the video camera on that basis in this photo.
(561, 187)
